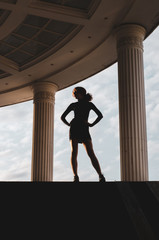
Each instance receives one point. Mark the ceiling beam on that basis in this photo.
(58, 12)
(8, 65)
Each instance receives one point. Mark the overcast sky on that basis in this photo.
(16, 127)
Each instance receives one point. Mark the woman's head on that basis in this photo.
(81, 94)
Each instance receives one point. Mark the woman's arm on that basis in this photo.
(99, 115)
(63, 116)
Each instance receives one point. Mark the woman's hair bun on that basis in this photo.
(88, 97)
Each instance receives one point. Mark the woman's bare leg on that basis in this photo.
(74, 152)
(89, 149)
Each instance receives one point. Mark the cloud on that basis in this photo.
(16, 169)
(62, 170)
(114, 126)
(61, 152)
(151, 61)
(15, 142)
(5, 152)
(153, 152)
(153, 120)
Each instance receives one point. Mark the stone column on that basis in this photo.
(132, 113)
(43, 131)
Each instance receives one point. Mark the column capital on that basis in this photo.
(44, 86)
(44, 91)
(130, 35)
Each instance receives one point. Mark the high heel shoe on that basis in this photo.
(76, 178)
(102, 178)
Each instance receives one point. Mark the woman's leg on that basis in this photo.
(74, 152)
(89, 149)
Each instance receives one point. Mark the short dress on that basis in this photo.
(79, 128)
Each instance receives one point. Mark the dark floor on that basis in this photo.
(111, 210)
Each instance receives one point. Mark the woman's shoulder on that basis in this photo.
(72, 105)
(91, 104)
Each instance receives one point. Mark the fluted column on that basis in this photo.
(43, 131)
(132, 113)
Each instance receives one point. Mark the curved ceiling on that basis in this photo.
(62, 41)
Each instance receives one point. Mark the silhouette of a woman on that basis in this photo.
(79, 129)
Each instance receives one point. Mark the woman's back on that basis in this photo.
(81, 110)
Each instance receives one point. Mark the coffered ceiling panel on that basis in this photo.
(3, 15)
(33, 37)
